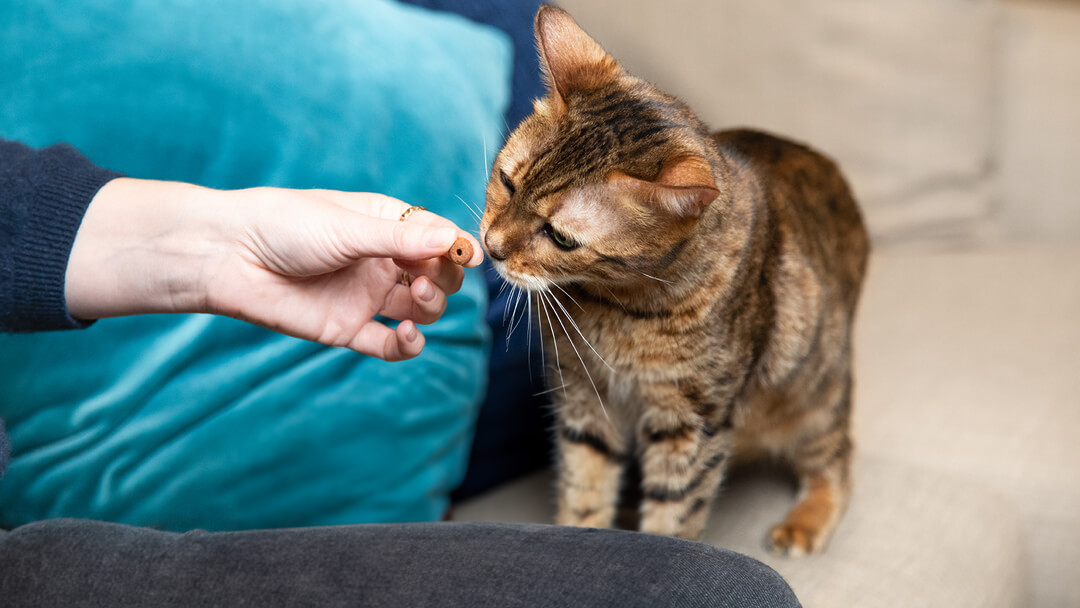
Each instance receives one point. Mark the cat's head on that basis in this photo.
(604, 181)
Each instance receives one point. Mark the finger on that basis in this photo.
(446, 274)
(428, 218)
(428, 301)
(422, 302)
(377, 238)
(403, 342)
(368, 203)
(382, 206)
(390, 209)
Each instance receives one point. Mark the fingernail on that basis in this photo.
(442, 237)
(427, 291)
(412, 334)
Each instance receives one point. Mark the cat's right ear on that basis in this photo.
(570, 59)
(684, 187)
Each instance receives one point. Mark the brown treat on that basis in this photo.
(461, 252)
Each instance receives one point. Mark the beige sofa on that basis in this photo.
(966, 486)
(956, 122)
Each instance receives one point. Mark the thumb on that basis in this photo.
(378, 238)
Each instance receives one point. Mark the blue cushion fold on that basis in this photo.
(188, 421)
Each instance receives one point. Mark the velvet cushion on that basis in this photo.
(198, 421)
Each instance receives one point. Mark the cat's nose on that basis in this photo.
(496, 247)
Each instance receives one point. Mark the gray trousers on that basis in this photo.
(75, 563)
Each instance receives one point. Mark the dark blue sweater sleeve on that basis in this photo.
(43, 197)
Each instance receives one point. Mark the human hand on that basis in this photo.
(314, 264)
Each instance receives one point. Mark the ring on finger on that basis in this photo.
(405, 278)
(408, 212)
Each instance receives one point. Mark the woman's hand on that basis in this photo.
(314, 264)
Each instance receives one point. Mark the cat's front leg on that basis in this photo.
(591, 461)
(683, 457)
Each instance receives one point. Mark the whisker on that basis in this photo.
(506, 304)
(554, 341)
(550, 390)
(528, 330)
(583, 338)
(539, 332)
(569, 296)
(471, 209)
(588, 374)
(479, 209)
(513, 325)
(509, 299)
(487, 167)
(655, 278)
(614, 297)
(522, 294)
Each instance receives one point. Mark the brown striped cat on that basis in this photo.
(696, 293)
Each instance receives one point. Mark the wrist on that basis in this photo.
(145, 247)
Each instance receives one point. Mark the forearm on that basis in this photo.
(146, 247)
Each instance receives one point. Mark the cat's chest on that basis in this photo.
(626, 348)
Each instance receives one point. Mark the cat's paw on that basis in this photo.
(794, 540)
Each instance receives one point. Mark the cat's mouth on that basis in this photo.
(521, 281)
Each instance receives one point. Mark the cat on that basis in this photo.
(696, 294)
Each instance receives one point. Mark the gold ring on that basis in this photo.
(406, 278)
(411, 210)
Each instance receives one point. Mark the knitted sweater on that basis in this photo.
(43, 197)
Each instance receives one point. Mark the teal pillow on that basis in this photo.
(197, 421)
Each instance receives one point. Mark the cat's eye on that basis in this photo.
(564, 242)
(506, 182)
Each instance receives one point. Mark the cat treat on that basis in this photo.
(461, 251)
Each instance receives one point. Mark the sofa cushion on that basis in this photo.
(967, 364)
(911, 536)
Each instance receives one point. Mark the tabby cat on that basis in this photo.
(696, 294)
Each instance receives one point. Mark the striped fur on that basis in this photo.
(695, 291)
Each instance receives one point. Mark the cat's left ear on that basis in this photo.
(570, 59)
(684, 187)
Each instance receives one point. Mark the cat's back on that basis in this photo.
(808, 197)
